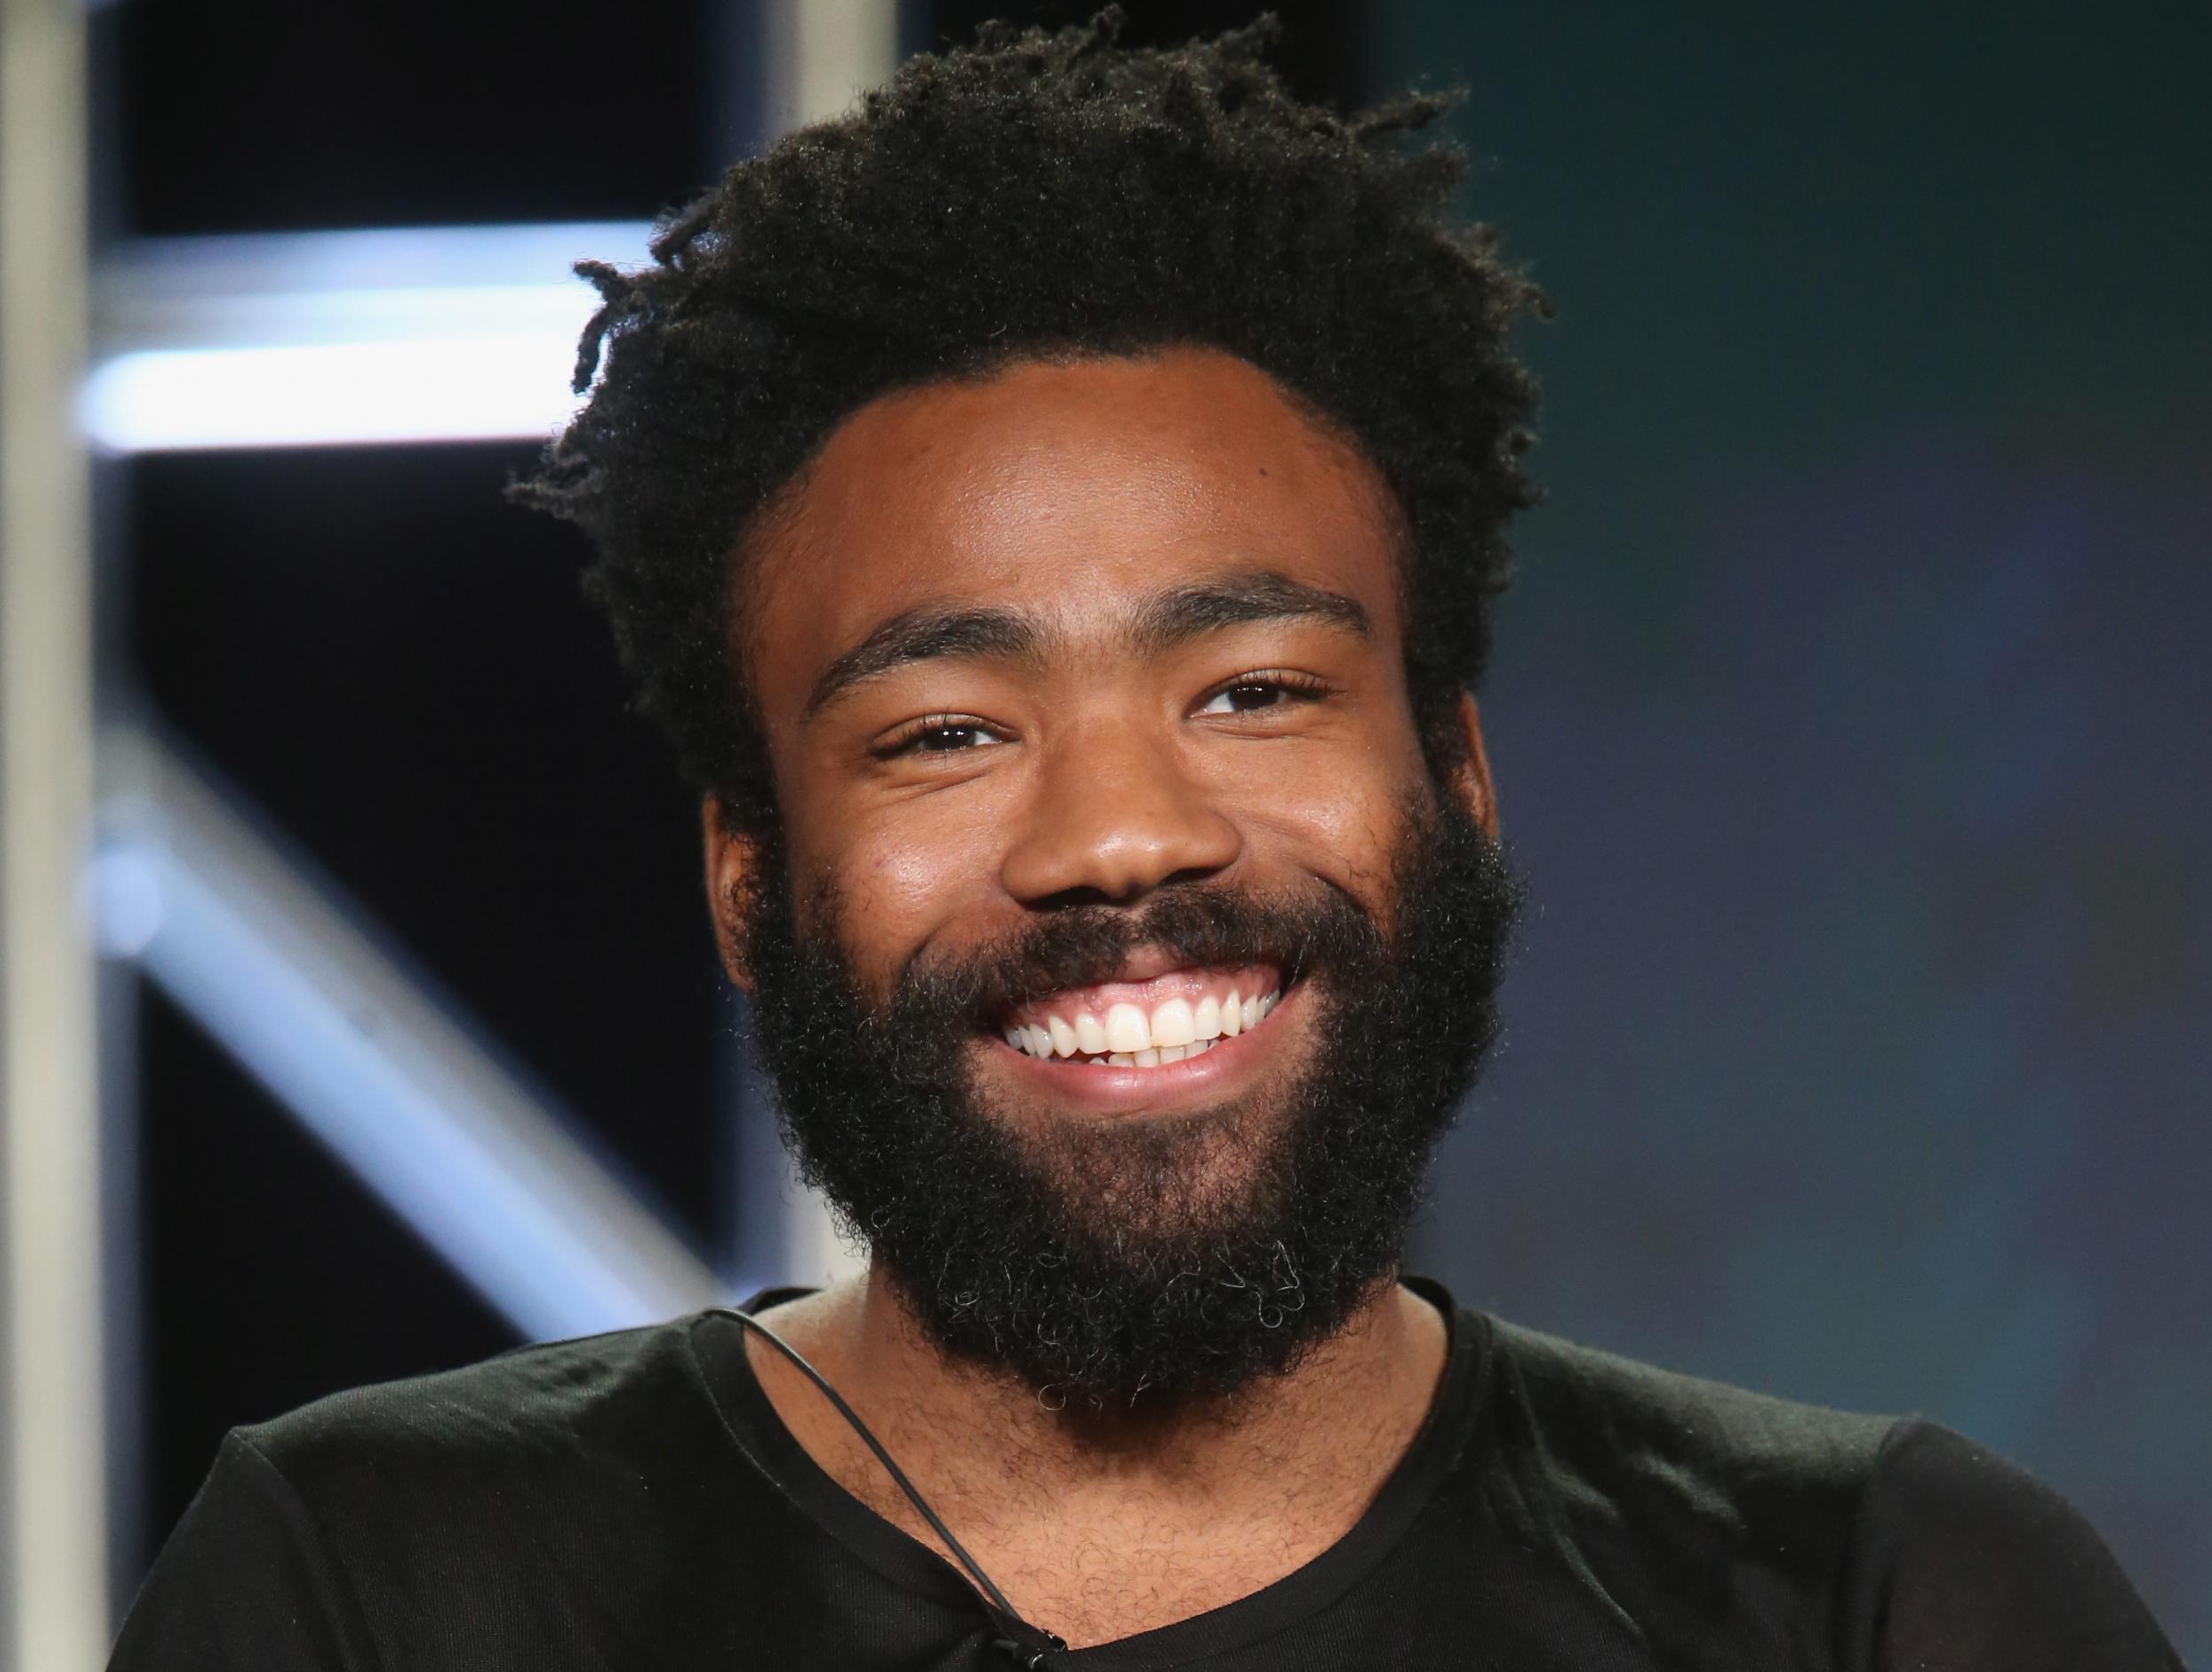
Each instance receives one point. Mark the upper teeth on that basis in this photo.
(1126, 1037)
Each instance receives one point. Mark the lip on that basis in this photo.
(1145, 964)
(1136, 1090)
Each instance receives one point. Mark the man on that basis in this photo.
(1054, 511)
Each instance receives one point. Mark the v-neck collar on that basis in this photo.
(750, 1419)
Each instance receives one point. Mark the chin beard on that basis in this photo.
(1142, 1263)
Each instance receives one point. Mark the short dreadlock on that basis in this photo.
(1038, 195)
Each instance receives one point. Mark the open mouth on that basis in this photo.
(1148, 1022)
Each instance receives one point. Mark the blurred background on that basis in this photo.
(361, 1014)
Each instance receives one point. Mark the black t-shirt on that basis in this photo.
(631, 1500)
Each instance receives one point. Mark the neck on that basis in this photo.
(1291, 1460)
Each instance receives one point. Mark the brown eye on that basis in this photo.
(1257, 690)
(1244, 698)
(943, 739)
(937, 734)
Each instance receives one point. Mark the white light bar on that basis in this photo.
(452, 389)
(303, 339)
(396, 1083)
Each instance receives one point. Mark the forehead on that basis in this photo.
(1067, 487)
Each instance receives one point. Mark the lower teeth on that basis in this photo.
(1150, 1059)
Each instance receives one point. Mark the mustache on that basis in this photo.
(1194, 923)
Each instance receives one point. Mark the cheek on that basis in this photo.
(1339, 814)
(905, 872)
(896, 877)
(1347, 839)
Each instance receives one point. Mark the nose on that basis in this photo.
(1113, 815)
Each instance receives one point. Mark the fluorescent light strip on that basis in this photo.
(316, 338)
(450, 389)
(491, 1177)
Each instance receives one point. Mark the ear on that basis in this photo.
(731, 866)
(1470, 779)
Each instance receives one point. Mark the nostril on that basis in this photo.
(1191, 874)
(1097, 895)
(1068, 898)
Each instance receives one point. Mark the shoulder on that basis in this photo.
(383, 1524)
(596, 1406)
(1705, 1523)
(1964, 1559)
(1707, 1512)
(1601, 1410)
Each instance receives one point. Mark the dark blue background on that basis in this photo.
(1851, 722)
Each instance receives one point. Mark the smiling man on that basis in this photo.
(1054, 510)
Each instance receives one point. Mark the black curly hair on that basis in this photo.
(1040, 195)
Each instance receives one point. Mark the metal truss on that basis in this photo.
(312, 339)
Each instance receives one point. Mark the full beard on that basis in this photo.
(1142, 1263)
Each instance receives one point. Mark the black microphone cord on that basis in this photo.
(1026, 1645)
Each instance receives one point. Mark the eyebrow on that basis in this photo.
(923, 634)
(1165, 621)
(1183, 613)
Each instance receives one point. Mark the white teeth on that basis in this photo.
(1172, 1024)
(1129, 1039)
(1126, 1029)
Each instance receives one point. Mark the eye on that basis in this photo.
(1265, 688)
(937, 734)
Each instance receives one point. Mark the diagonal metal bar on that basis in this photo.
(389, 1077)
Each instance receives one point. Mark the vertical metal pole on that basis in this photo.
(53, 1490)
(822, 53)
